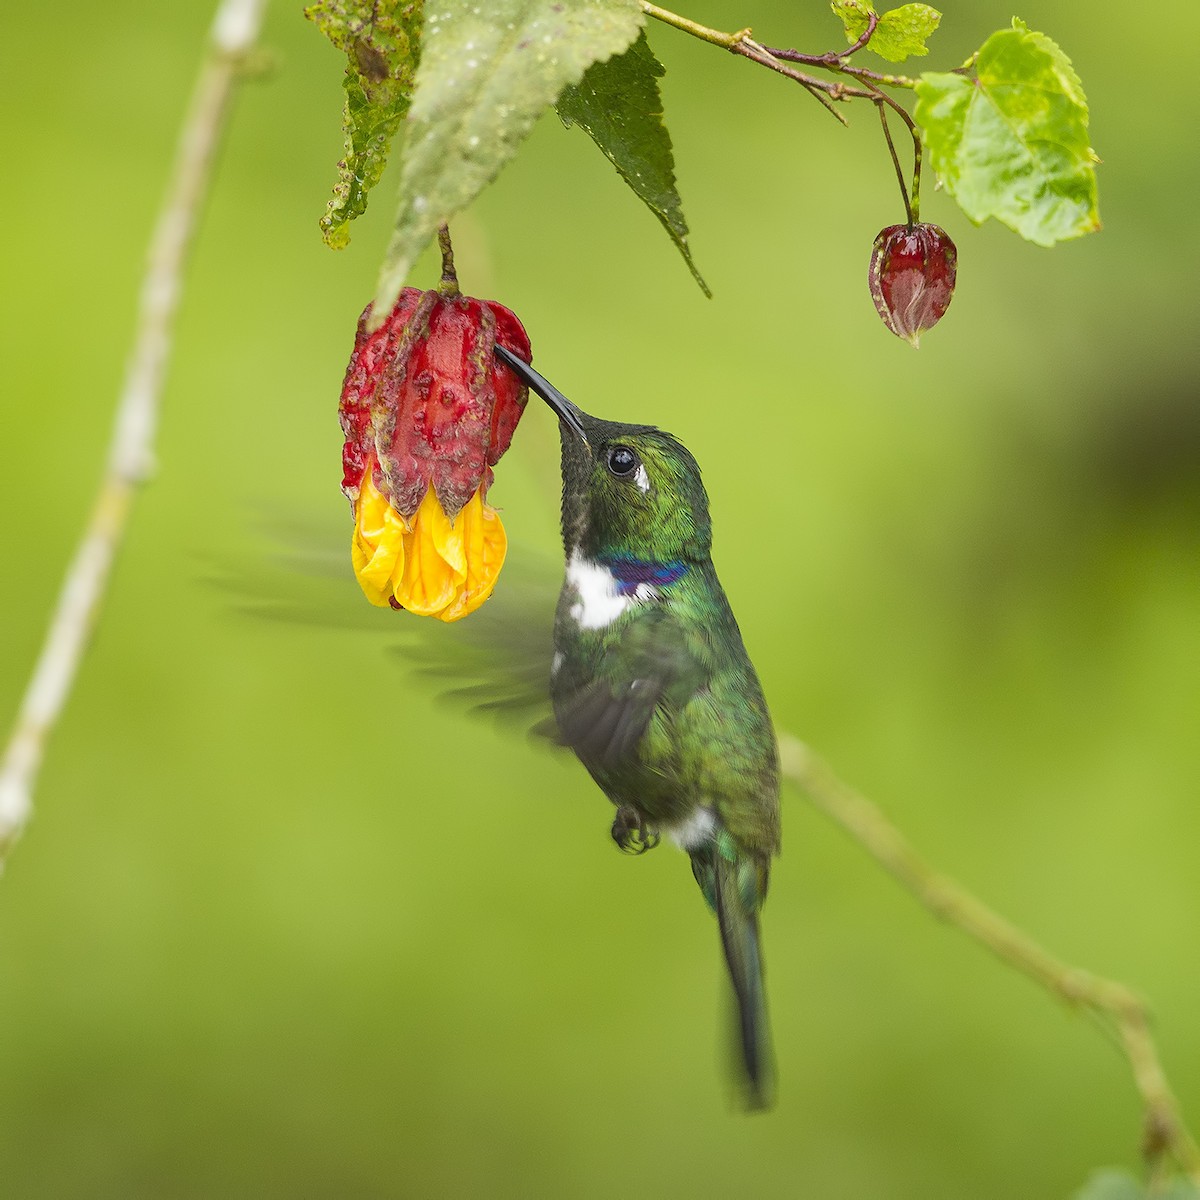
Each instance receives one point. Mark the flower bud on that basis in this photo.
(911, 277)
(426, 413)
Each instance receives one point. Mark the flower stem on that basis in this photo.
(449, 283)
(910, 209)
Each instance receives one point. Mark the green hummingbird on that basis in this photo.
(652, 687)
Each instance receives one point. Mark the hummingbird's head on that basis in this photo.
(632, 491)
(628, 490)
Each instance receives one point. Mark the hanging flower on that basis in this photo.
(427, 412)
(911, 277)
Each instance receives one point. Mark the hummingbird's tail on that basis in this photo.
(734, 888)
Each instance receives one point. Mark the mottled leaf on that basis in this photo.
(618, 105)
(382, 46)
(487, 73)
(901, 32)
(1119, 1185)
(1011, 142)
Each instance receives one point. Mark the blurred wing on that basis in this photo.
(495, 662)
(297, 571)
(657, 671)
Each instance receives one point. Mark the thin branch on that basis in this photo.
(726, 40)
(131, 454)
(834, 61)
(822, 89)
(769, 56)
(1114, 1006)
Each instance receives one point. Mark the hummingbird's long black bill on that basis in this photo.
(565, 410)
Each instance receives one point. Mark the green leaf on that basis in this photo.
(487, 72)
(901, 32)
(1012, 143)
(1120, 1185)
(618, 105)
(382, 44)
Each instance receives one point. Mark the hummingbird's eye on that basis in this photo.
(622, 461)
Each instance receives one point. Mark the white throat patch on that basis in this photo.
(598, 598)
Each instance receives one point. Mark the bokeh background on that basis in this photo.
(283, 926)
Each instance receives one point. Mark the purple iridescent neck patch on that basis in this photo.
(632, 573)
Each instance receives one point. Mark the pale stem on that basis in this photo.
(233, 34)
(1115, 1007)
(703, 32)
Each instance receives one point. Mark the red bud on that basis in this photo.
(424, 395)
(911, 277)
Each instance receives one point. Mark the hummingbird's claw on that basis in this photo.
(631, 833)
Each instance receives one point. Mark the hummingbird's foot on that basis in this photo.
(631, 833)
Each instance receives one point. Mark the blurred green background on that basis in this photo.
(283, 927)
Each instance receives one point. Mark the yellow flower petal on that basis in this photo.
(485, 545)
(448, 537)
(433, 567)
(377, 548)
(435, 563)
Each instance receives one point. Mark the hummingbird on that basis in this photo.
(652, 688)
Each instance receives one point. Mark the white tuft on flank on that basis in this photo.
(598, 594)
(695, 831)
(556, 662)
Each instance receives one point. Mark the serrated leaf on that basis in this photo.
(382, 45)
(618, 105)
(487, 73)
(1120, 1185)
(901, 32)
(1012, 143)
